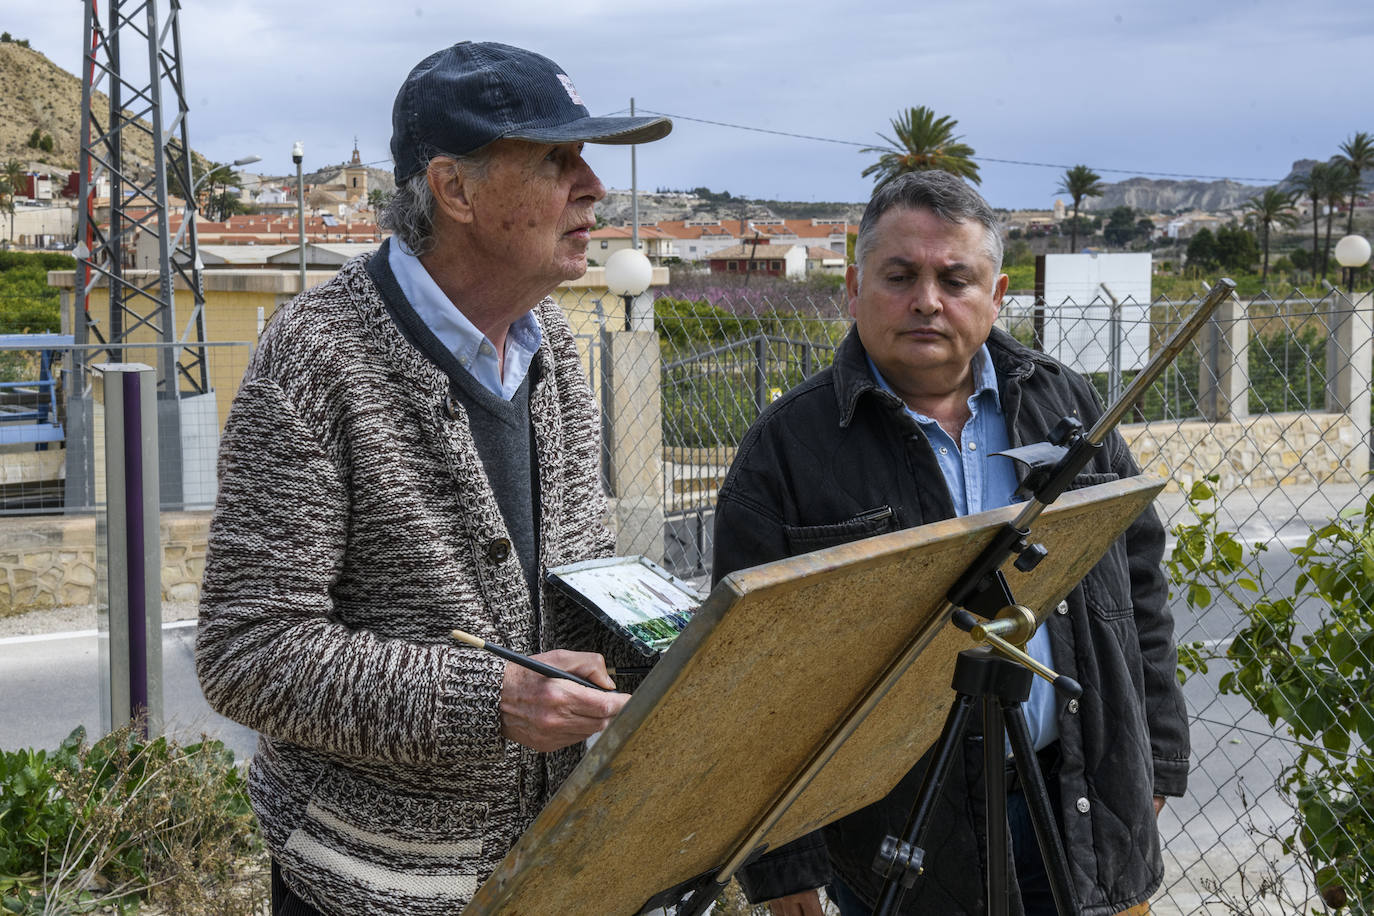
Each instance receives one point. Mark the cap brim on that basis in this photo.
(598, 130)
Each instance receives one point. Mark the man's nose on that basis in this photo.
(925, 297)
(587, 185)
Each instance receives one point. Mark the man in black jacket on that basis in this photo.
(902, 430)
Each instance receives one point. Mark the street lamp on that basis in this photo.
(1352, 253)
(297, 154)
(628, 273)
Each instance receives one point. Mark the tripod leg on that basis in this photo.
(1038, 802)
(918, 820)
(995, 779)
(701, 900)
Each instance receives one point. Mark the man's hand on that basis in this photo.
(807, 903)
(1159, 804)
(546, 713)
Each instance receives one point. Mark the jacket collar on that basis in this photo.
(1012, 361)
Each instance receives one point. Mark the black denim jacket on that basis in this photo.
(837, 459)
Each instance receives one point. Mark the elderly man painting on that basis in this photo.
(903, 429)
(413, 444)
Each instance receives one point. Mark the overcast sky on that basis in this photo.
(1208, 88)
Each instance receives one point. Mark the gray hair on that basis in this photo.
(409, 212)
(943, 194)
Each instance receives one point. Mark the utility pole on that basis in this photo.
(634, 192)
(298, 154)
(138, 309)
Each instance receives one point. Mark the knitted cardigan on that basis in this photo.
(354, 529)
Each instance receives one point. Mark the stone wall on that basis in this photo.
(49, 561)
(1265, 450)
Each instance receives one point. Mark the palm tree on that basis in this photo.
(1313, 186)
(14, 175)
(14, 180)
(924, 142)
(1340, 182)
(1357, 154)
(1079, 182)
(1272, 207)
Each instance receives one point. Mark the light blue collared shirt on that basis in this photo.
(979, 479)
(470, 347)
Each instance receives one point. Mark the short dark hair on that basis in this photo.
(947, 196)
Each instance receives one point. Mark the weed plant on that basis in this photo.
(126, 823)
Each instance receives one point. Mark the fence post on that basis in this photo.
(632, 427)
(1349, 354)
(1224, 370)
(128, 547)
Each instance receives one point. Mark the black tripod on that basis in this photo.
(1002, 685)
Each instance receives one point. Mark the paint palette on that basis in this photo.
(634, 596)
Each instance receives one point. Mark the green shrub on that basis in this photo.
(28, 305)
(686, 324)
(127, 820)
(1317, 682)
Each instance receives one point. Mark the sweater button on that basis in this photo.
(1073, 706)
(1082, 805)
(1062, 608)
(498, 551)
(450, 408)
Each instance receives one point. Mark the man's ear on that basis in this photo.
(851, 286)
(451, 186)
(999, 290)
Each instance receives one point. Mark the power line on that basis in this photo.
(1043, 165)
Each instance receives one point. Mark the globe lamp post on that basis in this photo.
(628, 273)
(1352, 253)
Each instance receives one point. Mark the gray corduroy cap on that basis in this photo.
(461, 98)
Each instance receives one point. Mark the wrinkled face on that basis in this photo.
(532, 211)
(927, 300)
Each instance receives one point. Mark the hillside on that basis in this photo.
(36, 93)
(673, 205)
(1153, 195)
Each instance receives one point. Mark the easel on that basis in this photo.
(713, 761)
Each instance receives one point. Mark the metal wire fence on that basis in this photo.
(1272, 400)
(50, 431)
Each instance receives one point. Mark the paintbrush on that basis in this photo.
(525, 661)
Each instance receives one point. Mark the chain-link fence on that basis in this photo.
(1272, 401)
(50, 422)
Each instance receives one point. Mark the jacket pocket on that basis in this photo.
(806, 538)
(1092, 479)
(361, 848)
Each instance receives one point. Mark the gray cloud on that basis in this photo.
(1235, 87)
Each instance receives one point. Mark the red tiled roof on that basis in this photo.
(624, 232)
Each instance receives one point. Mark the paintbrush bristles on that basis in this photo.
(469, 639)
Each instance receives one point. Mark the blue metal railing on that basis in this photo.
(28, 408)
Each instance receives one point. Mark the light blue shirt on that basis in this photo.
(979, 479)
(470, 347)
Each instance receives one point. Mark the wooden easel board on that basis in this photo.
(769, 666)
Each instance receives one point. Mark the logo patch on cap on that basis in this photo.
(572, 90)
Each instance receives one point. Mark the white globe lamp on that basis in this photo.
(628, 273)
(1352, 253)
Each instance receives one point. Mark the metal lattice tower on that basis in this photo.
(134, 56)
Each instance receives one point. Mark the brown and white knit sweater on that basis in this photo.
(355, 528)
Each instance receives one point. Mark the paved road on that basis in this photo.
(51, 684)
